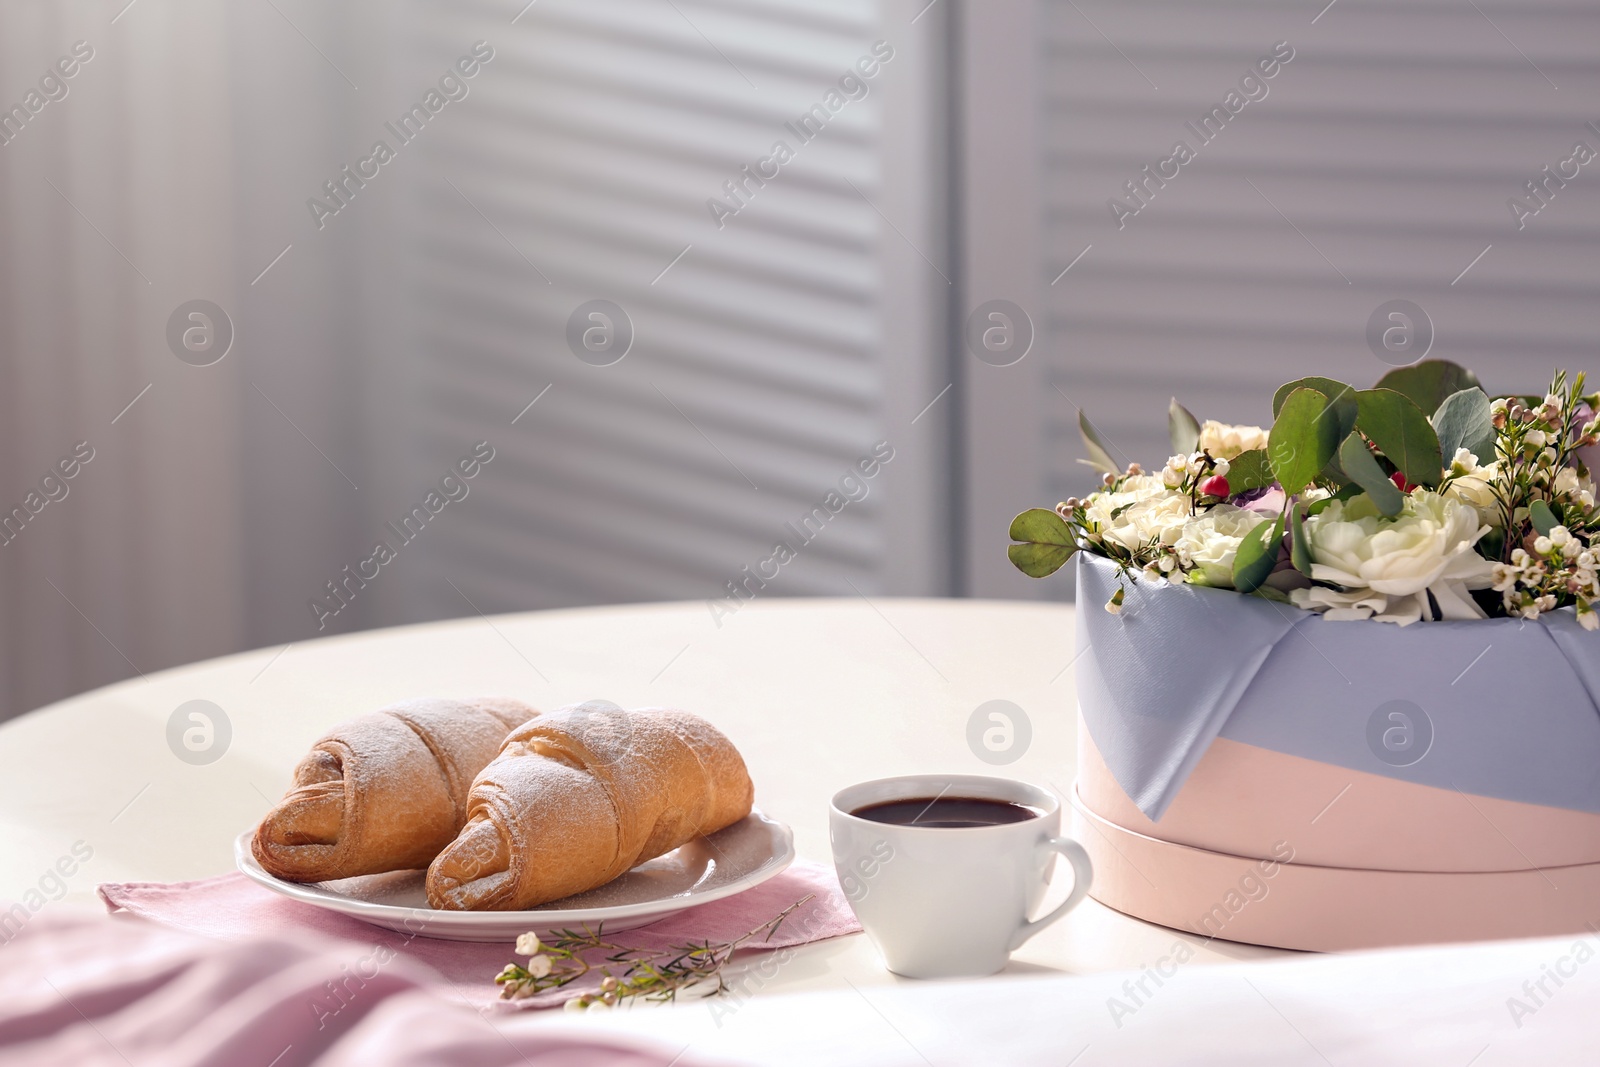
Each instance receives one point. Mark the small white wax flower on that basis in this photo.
(539, 966)
(1571, 549)
(1114, 605)
(1542, 545)
(528, 944)
(1589, 620)
(1179, 463)
(1547, 456)
(1463, 461)
(1223, 466)
(575, 1004)
(1560, 535)
(1586, 560)
(1552, 401)
(1498, 404)
(1535, 439)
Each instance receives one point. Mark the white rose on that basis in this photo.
(1476, 487)
(1387, 568)
(1145, 511)
(1227, 442)
(1210, 541)
(1568, 484)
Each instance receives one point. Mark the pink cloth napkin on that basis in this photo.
(232, 908)
(93, 991)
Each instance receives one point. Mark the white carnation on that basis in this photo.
(1209, 543)
(1388, 568)
(1227, 442)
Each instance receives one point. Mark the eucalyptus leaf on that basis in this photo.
(1249, 471)
(1348, 492)
(1464, 420)
(1099, 455)
(1328, 387)
(1402, 432)
(1428, 383)
(1303, 439)
(1344, 411)
(1047, 542)
(1333, 475)
(1299, 549)
(1257, 555)
(1544, 520)
(1182, 428)
(1365, 473)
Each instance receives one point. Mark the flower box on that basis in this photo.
(1339, 679)
(1255, 772)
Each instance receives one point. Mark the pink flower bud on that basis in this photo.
(1216, 486)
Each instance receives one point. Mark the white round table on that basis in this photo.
(817, 694)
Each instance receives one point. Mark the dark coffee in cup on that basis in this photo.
(950, 813)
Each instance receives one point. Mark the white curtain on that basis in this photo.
(115, 201)
(371, 353)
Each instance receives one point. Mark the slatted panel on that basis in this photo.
(1392, 141)
(591, 143)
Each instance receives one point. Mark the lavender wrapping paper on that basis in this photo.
(1510, 707)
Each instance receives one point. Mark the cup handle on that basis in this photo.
(1082, 876)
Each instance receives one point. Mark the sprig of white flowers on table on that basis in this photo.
(562, 957)
(1359, 504)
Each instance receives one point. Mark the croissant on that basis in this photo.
(579, 796)
(384, 791)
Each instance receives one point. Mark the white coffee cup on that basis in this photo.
(947, 902)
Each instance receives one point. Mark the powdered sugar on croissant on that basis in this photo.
(384, 791)
(578, 796)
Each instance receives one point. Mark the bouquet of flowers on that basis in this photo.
(1422, 498)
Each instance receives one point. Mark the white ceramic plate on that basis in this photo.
(729, 861)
